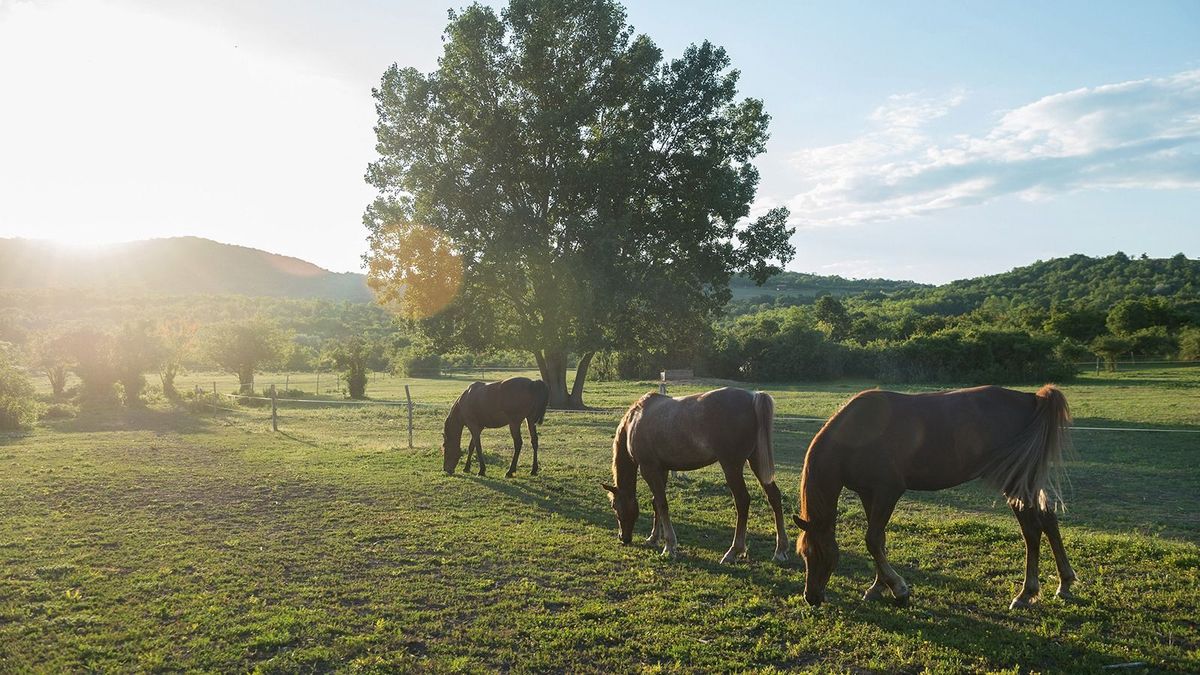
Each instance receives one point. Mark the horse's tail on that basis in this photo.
(541, 399)
(764, 451)
(1029, 472)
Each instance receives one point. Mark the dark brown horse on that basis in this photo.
(882, 443)
(491, 406)
(659, 434)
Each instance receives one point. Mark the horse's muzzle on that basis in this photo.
(814, 600)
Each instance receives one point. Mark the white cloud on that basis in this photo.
(1143, 134)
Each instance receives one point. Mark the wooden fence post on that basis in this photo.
(662, 383)
(287, 381)
(318, 382)
(274, 411)
(408, 396)
(214, 397)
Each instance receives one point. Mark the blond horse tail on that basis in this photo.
(1029, 472)
(764, 450)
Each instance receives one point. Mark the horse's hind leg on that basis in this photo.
(533, 440)
(515, 430)
(776, 501)
(882, 505)
(1031, 529)
(741, 500)
(1066, 575)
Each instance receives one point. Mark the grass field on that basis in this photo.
(175, 539)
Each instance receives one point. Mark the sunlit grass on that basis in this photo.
(171, 539)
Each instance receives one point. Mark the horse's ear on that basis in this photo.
(608, 487)
(802, 523)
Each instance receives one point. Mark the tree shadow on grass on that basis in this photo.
(161, 421)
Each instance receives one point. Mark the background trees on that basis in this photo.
(350, 356)
(244, 347)
(555, 186)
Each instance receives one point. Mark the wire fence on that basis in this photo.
(217, 402)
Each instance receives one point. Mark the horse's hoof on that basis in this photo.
(508, 475)
(780, 556)
(873, 594)
(669, 552)
(534, 472)
(1022, 602)
(1065, 595)
(902, 600)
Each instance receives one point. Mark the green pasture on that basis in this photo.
(175, 538)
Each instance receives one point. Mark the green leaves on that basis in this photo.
(592, 191)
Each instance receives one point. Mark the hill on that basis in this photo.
(1078, 280)
(811, 286)
(173, 266)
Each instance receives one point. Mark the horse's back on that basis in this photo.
(498, 404)
(933, 440)
(690, 432)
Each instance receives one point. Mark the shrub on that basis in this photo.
(979, 356)
(19, 408)
(414, 363)
(1189, 343)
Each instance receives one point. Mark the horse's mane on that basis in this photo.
(623, 467)
(817, 504)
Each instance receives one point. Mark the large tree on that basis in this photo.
(556, 186)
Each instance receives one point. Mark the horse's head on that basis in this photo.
(818, 546)
(451, 453)
(624, 503)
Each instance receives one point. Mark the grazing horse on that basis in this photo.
(491, 406)
(882, 443)
(660, 433)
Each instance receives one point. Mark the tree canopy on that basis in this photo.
(573, 188)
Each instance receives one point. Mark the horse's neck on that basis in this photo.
(624, 470)
(820, 485)
(454, 428)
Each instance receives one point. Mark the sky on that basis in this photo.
(920, 140)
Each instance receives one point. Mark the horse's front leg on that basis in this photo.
(477, 437)
(877, 589)
(741, 501)
(657, 480)
(882, 505)
(655, 530)
(515, 430)
(1031, 529)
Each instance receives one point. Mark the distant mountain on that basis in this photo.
(174, 266)
(804, 285)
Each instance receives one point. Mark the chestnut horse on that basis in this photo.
(882, 443)
(660, 434)
(491, 406)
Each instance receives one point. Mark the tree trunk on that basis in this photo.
(246, 381)
(552, 364)
(575, 401)
(554, 374)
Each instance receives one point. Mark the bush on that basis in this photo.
(975, 356)
(1189, 344)
(19, 408)
(418, 364)
(59, 411)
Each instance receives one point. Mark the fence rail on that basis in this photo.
(410, 406)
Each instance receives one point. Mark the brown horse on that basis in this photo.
(491, 406)
(659, 433)
(882, 443)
